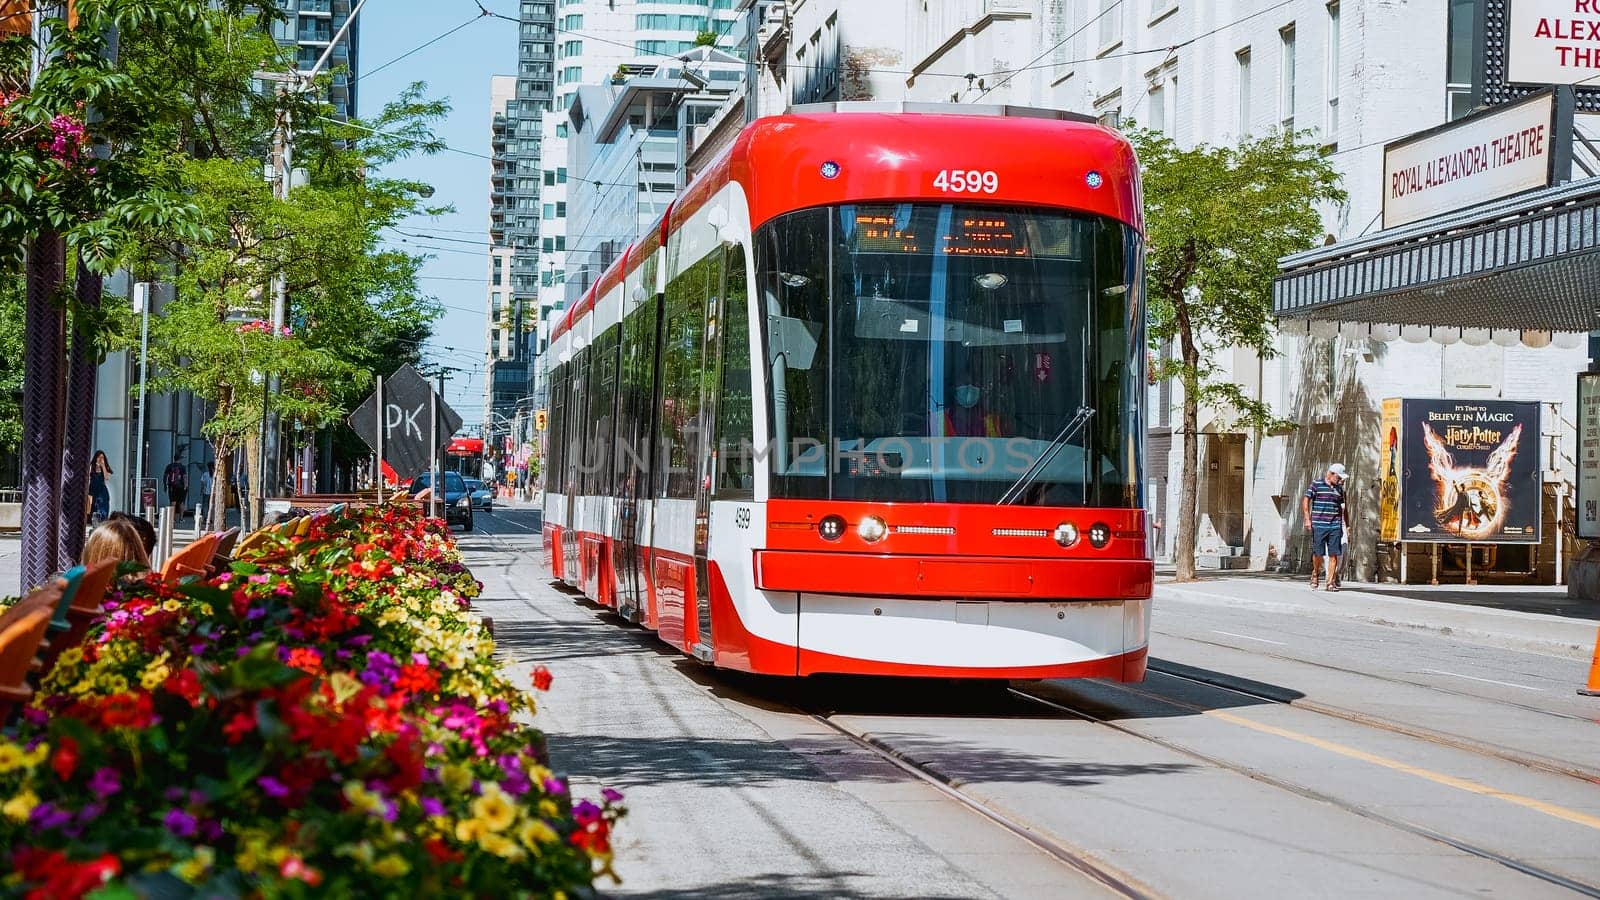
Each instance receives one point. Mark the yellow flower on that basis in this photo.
(153, 677)
(196, 867)
(172, 606)
(500, 846)
(534, 832)
(37, 755)
(469, 830)
(548, 808)
(18, 808)
(455, 777)
(495, 808)
(11, 757)
(391, 866)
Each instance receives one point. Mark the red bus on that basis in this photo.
(869, 399)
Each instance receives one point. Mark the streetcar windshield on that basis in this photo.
(935, 352)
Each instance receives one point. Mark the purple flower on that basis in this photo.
(35, 716)
(419, 658)
(554, 787)
(47, 816)
(431, 806)
(91, 812)
(105, 782)
(360, 640)
(180, 823)
(211, 830)
(273, 787)
(611, 796)
(499, 706)
(255, 612)
(586, 813)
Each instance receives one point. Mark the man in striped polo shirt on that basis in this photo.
(1326, 518)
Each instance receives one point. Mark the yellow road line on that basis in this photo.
(1463, 784)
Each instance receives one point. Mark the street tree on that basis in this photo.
(1217, 220)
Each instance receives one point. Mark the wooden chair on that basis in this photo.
(22, 629)
(227, 540)
(71, 624)
(191, 560)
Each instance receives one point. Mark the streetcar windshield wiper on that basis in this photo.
(1067, 433)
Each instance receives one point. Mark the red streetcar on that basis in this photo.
(869, 399)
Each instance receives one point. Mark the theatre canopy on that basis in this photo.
(1484, 227)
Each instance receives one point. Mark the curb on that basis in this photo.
(1548, 646)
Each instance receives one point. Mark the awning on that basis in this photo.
(1526, 262)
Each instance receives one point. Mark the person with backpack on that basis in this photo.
(176, 477)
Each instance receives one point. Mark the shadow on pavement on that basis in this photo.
(803, 887)
(540, 642)
(626, 760)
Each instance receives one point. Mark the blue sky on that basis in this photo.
(457, 69)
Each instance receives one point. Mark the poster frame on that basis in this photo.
(1591, 532)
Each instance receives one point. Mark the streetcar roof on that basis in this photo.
(877, 152)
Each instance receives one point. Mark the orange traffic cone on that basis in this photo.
(1593, 690)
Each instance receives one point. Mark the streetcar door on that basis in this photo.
(704, 647)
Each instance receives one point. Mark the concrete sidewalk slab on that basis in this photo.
(1569, 635)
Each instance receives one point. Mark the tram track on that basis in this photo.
(1113, 880)
(1345, 670)
(1455, 742)
(1553, 878)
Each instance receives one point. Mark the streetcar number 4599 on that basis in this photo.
(967, 181)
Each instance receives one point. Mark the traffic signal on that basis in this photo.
(540, 419)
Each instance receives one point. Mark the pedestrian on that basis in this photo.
(176, 477)
(1327, 518)
(141, 526)
(99, 488)
(202, 514)
(117, 540)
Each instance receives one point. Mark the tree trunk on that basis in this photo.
(78, 443)
(44, 349)
(1188, 491)
(221, 481)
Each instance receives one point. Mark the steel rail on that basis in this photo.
(1117, 882)
(1579, 887)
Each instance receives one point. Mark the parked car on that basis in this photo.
(457, 499)
(482, 494)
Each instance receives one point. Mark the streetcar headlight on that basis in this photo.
(1066, 534)
(872, 529)
(1099, 534)
(831, 528)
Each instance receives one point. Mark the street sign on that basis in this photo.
(407, 397)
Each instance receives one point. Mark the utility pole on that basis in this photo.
(141, 305)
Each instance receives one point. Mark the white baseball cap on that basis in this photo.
(1336, 469)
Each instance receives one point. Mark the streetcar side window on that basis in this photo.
(683, 373)
(735, 478)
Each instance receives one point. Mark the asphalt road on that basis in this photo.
(1267, 754)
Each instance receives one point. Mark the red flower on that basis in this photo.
(65, 759)
(441, 851)
(305, 659)
(186, 684)
(417, 678)
(542, 678)
(240, 725)
(127, 711)
(60, 879)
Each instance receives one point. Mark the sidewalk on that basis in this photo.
(1537, 618)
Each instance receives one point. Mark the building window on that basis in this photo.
(561, 175)
(571, 48)
(499, 264)
(549, 177)
(1158, 105)
(572, 22)
(561, 210)
(1111, 12)
(1286, 79)
(549, 210)
(549, 244)
(1459, 59)
(1157, 7)
(1242, 77)
(1333, 74)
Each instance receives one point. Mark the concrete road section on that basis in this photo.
(1177, 787)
